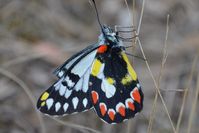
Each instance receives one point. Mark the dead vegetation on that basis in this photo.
(37, 36)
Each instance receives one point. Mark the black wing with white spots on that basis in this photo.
(115, 90)
(59, 99)
(70, 93)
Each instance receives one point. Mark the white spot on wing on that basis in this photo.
(65, 106)
(78, 86)
(61, 73)
(62, 90)
(75, 101)
(49, 103)
(131, 93)
(68, 93)
(111, 110)
(108, 89)
(70, 83)
(103, 104)
(85, 102)
(119, 105)
(57, 106)
(128, 100)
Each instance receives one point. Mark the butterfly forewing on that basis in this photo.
(115, 90)
(61, 70)
(70, 93)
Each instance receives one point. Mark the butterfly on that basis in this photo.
(99, 77)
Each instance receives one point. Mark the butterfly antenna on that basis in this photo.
(97, 14)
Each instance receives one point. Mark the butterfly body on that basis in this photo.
(99, 76)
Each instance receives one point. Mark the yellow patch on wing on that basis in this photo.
(44, 96)
(110, 80)
(129, 67)
(43, 103)
(127, 79)
(96, 67)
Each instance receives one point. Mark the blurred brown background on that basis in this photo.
(36, 36)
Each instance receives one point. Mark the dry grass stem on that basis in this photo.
(152, 115)
(136, 33)
(156, 86)
(186, 92)
(195, 100)
(176, 90)
(164, 58)
(141, 16)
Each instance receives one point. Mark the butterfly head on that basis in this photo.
(109, 36)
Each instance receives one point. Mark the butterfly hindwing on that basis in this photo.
(114, 87)
(70, 93)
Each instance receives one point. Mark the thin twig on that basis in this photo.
(176, 90)
(156, 86)
(164, 57)
(186, 92)
(151, 119)
(191, 117)
(141, 16)
(28, 92)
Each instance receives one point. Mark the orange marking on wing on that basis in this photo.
(94, 97)
(122, 111)
(103, 109)
(131, 106)
(111, 115)
(102, 49)
(136, 95)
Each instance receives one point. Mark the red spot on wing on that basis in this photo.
(122, 111)
(102, 49)
(103, 109)
(111, 115)
(136, 95)
(95, 96)
(131, 106)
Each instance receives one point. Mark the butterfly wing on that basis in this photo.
(75, 58)
(70, 93)
(114, 88)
